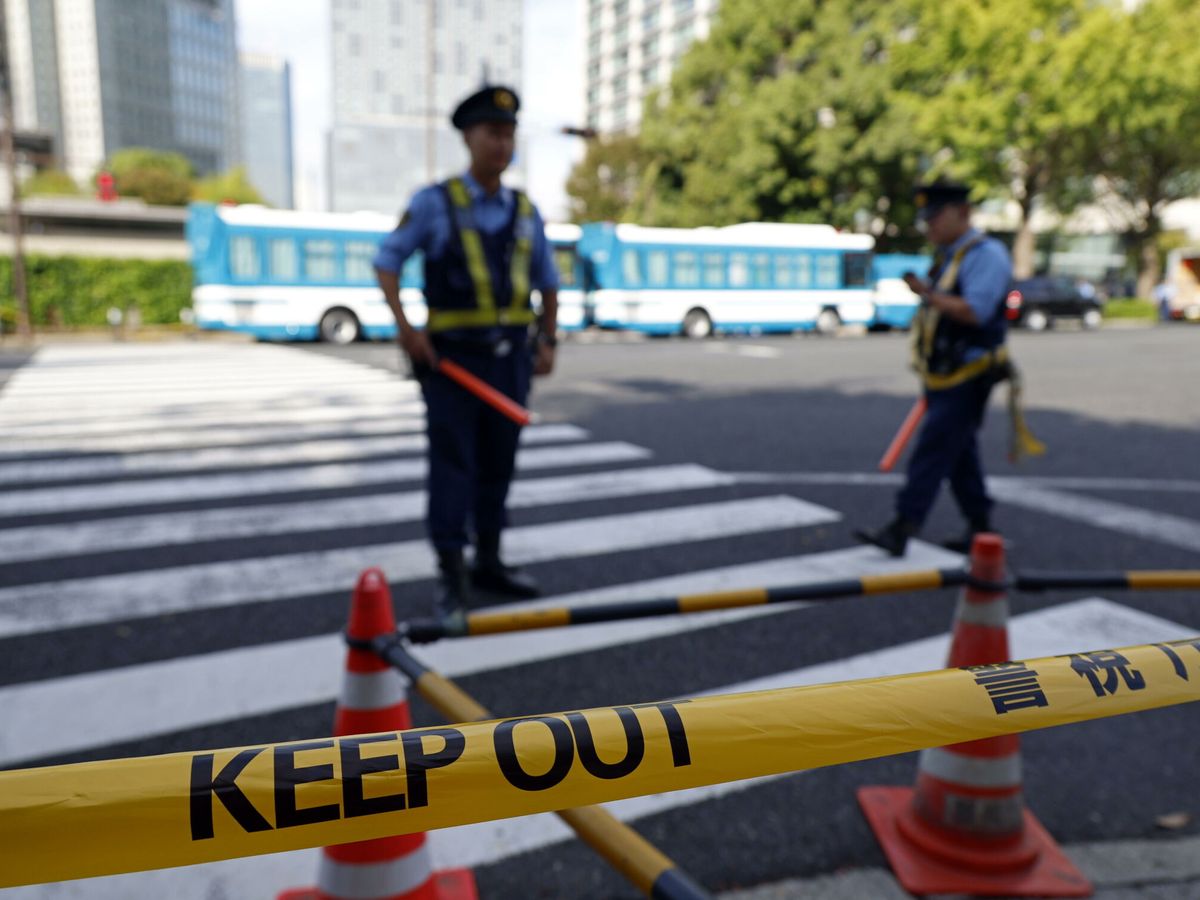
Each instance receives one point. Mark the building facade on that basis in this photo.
(101, 75)
(632, 48)
(266, 97)
(399, 68)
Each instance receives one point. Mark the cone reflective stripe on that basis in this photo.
(373, 700)
(964, 828)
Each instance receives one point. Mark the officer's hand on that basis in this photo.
(418, 347)
(543, 363)
(915, 284)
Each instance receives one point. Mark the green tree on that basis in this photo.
(1147, 93)
(232, 186)
(606, 184)
(990, 84)
(50, 183)
(156, 176)
(785, 113)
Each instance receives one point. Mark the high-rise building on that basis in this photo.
(266, 95)
(100, 75)
(632, 47)
(399, 68)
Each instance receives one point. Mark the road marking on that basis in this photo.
(1174, 531)
(185, 461)
(66, 715)
(327, 477)
(1169, 485)
(1083, 624)
(165, 529)
(50, 606)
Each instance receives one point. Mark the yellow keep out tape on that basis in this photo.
(129, 815)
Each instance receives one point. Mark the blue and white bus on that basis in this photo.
(753, 277)
(294, 276)
(895, 304)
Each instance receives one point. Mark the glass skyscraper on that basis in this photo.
(266, 95)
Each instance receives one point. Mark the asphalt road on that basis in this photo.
(801, 418)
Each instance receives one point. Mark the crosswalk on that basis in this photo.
(161, 507)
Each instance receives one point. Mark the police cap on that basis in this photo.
(930, 198)
(492, 103)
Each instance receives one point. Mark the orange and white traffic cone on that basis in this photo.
(964, 829)
(373, 700)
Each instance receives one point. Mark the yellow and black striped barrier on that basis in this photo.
(1134, 580)
(126, 815)
(422, 631)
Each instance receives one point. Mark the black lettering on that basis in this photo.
(354, 767)
(510, 764)
(681, 754)
(288, 776)
(224, 788)
(1180, 668)
(417, 762)
(586, 744)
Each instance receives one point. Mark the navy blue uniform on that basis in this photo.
(472, 448)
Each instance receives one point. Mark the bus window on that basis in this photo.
(243, 258)
(631, 268)
(283, 259)
(658, 268)
(359, 256)
(804, 270)
(714, 270)
(564, 260)
(856, 269)
(762, 270)
(320, 262)
(828, 270)
(784, 274)
(739, 270)
(687, 273)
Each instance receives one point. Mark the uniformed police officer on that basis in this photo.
(484, 250)
(959, 353)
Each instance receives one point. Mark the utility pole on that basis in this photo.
(430, 91)
(9, 149)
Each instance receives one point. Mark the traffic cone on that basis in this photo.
(964, 829)
(374, 700)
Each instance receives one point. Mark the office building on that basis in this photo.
(266, 127)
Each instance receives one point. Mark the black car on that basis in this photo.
(1034, 303)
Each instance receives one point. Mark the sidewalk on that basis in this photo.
(1166, 869)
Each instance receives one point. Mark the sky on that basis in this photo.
(552, 95)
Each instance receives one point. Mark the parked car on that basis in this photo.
(1035, 303)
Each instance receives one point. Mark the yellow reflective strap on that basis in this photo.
(446, 319)
(963, 374)
(925, 323)
(521, 259)
(901, 581)
(481, 277)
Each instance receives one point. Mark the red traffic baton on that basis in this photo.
(485, 392)
(903, 436)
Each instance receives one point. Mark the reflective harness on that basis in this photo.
(995, 363)
(486, 314)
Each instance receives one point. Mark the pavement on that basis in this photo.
(181, 523)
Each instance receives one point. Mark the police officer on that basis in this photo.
(959, 354)
(484, 249)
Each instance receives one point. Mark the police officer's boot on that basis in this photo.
(453, 594)
(975, 525)
(891, 538)
(490, 574)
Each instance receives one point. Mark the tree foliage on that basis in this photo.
(607, 183)
(156, 176)
(232, 186)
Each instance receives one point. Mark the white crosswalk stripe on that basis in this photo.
(124, 450)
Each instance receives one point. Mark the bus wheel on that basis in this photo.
(339, 326)
(697, 324)
(828, 321)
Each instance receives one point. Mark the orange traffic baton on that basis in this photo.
(506, 406)
(907, 428)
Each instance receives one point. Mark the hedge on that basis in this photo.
(74, 291)
(1130, 308)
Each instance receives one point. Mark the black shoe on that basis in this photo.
(891, 538)
(490, 574)
(962, 543)
(453, 595)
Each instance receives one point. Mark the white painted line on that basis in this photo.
(1174, 531)
(330, 476)
(186, 461)
(50, 606)
(66, 715)
(170, 380)
(344, 409)
(1085, 624)
(1171, 485)
(165, 529)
